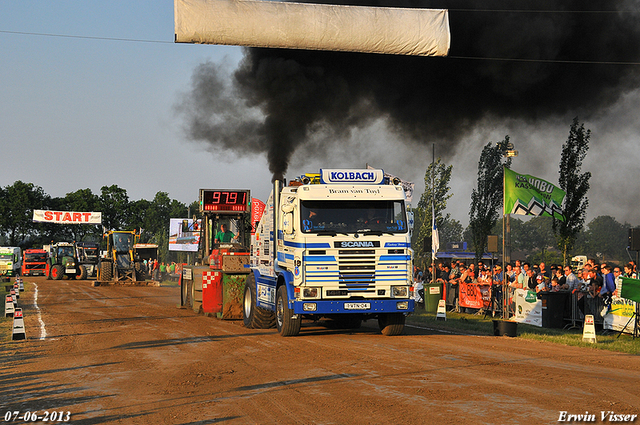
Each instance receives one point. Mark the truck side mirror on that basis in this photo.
(287, 223)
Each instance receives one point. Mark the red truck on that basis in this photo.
(34, 262)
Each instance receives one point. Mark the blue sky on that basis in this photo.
(87, 96)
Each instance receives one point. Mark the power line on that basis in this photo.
(86, 37)
(134, 40)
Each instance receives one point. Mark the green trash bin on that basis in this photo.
(432, 295)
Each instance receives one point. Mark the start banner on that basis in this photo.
(67, 217)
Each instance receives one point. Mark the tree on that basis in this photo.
(486, 198)
(604, 238)
(436, 179)
(114, 204)
(576, 186)
(16, 210)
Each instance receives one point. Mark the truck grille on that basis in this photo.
(357, 270)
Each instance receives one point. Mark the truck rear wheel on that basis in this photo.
(186, 292)
(254, 317)
(57, 272)
(285, 322)
(391, 324)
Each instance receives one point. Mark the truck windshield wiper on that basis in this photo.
(370, 232)
(327, 233)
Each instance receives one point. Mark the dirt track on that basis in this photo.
(128, 355)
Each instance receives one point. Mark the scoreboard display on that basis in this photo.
(224, 201)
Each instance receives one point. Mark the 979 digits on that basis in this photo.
(47, 416)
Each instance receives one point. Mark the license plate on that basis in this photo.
(357, 306)
(70, 271)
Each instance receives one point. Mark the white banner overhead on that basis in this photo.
(67, 217)
(288, 25)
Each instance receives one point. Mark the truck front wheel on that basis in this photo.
(391, 324)
(285, 322)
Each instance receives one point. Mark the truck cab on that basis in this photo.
(10, 261)
(34, 262)
(334, 245)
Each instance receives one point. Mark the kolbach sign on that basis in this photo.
(67, 217)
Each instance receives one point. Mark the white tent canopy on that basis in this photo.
(399, 31)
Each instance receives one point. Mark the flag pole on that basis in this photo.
(505, 298)
(433, 219)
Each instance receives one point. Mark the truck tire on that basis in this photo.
(47, 271)
(285, 322)
(57, 272)
(139, 271)
(105, 271)
(255, 317)
(391, 324)
(82, 272)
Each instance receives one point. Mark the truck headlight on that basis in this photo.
(402, 305)
(400, 291)
(311, 292)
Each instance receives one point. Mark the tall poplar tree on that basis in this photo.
(576, 185)
(486, 198)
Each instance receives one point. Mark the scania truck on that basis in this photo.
(331, 245)
(10, 261)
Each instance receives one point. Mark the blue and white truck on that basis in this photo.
(331, 245)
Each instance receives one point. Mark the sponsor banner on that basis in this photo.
(529, 195)
(257, 209)
(472, 295)
(623, 307)
(528, 307)
(67, 217)
(184, 234)
(370, 176)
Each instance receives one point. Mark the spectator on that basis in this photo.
(555, 286)
(163, 271)
(518, 278)
(156, 270)
(541, 286)
(530, 280)
(608, 288)
(572, 281)
(628, 271)
(544, 272)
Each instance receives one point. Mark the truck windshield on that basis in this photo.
(6, 257)
(353, 216)
(35, 258)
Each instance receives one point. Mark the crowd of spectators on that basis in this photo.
(593, 280)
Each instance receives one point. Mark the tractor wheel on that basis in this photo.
(82, 272)
(255, 317)
(186, 292)
(391, 324)
(105, 271)
(47, 271)
(285, 322)
(57, 272)
(139, 271)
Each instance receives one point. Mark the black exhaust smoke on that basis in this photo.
(528, 60)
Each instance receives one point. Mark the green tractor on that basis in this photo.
(121, 264)
(62, 261)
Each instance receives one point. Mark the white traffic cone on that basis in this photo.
(14, 297)
(21, 285)
(442, 310)
(18, 325)
(16, 288)
(9, 308)
(589, 331)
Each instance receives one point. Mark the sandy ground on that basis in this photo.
(129, 355)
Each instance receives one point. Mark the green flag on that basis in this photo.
(529, 195)
(630, 289)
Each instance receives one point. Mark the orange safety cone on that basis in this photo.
(18, 325)
(9, 308)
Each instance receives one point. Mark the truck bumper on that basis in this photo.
(354, 306)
